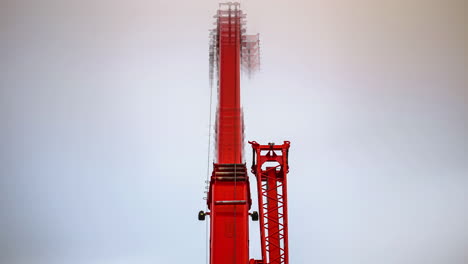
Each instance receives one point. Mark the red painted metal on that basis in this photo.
(229, 192)
(230, 131)
(229, 198)
(270, 166)
(229, 201)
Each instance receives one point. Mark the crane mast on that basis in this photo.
(229, 198)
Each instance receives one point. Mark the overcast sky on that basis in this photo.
(104, 128)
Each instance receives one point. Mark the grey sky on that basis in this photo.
(104, 120)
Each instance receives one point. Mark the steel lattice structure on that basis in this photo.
(270, 166)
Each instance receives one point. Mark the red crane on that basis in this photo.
(229, 199)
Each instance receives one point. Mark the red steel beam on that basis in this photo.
(229, 198)
(229, 193)
(270, 166)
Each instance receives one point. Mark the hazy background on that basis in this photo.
(104, 128)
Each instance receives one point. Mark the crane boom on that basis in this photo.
(229, 193)
(229, 199)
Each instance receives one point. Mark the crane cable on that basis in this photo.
(208, 165)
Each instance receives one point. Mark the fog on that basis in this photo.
(104, 124)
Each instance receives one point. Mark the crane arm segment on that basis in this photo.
(270, 166)
(229, 200)
(229, 192)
